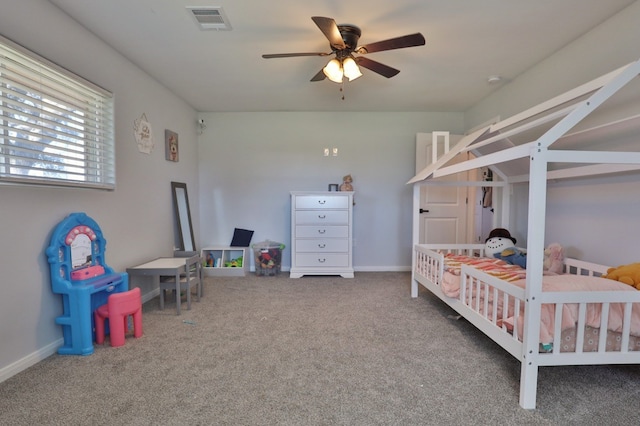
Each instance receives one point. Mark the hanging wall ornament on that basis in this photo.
(144, 134)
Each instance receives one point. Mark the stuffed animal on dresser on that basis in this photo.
(501, 245)
(346, 183)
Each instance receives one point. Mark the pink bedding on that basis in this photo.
(450, 285)
(569, 282)
(496, 267)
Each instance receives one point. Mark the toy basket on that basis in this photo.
(268, 257)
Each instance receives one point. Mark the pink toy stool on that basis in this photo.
(117, 310)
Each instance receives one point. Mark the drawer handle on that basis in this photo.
(321, 201)
(322, 260)
(322, 245)
(322, 216)
(321, 231)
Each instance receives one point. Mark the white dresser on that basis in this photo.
(321, 233)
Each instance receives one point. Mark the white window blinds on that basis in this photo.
(55, 127)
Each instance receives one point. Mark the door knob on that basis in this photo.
(424, 211)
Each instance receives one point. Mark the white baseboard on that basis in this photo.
(45, 352)
(383, 268)
(29, 360)
(363, 269)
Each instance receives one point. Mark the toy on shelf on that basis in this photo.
(234, 263)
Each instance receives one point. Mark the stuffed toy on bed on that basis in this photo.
(501, 245)
(553, 262)
(628, 274)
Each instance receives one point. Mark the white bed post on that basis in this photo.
(416, 237)
(539, 159)
(535, 254)
(505, 205)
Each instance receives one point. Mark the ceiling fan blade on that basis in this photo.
(319, 77)
(330, 30)
(377, 67)
(291, 55)
(410, 40)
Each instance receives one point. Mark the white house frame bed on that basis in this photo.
(487, 301)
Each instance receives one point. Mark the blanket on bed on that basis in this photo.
(496, 267)
(569, 282)
(566, 282)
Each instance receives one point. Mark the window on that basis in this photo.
(55, 127)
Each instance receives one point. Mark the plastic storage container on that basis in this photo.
(268, 257)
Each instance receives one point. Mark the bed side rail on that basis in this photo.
(474, 250)
(578, 317)
(428, 264)
(580, 267)
(493, 304)
(497, 308)
(429, 258)
(593, 312)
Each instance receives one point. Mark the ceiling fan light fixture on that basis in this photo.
(333, 71)
(343, 41)
(351, 70)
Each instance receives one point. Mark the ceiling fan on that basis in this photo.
(343, 40)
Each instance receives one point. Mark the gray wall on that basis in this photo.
(596, 220)
(250, 161)
(136, 218)
(606, 47)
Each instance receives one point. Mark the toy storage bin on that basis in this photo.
(268, 257)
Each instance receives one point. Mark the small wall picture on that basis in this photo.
(144, 134)
(171, 145)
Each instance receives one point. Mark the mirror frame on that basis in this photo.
(183, 215)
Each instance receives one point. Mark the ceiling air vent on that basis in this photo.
(210, 18)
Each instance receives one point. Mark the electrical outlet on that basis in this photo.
(335, 152)
(326, 152)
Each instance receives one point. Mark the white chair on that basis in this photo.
(192, 277)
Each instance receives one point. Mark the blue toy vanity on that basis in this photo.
(79, 273)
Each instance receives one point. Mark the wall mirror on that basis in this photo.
(183, 216)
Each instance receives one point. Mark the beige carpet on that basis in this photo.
(310, 351)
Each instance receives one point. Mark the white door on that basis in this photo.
(443, 209)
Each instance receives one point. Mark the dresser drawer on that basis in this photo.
(323, 245)
(326, 260)
(340, 217)
(322, 202)
(316, 231)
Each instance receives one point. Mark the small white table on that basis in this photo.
(162, 267)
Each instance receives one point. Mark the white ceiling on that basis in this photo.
(467, 41)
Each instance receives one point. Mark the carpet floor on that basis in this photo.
(310, 351)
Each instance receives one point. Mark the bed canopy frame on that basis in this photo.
(492, 146)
